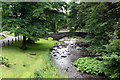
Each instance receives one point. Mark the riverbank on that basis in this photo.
(66, 52)
(28, 63)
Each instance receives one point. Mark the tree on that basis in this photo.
(99, 21)
(53, 15)
(19, 18)
(98, 18)
(102, 21)
(73, 19)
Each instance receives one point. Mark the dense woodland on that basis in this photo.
(100, 20)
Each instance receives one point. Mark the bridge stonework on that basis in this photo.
(65, 34)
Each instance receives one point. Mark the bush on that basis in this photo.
(96, 49)
(4, 61)
(89, 65)
(111, 61)
(113, 47)
(111, 66)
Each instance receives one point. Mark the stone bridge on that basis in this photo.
(61, 35)
(58, 36)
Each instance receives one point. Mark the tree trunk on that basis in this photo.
(24, 43)
(53, 28)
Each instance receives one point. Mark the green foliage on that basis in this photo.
(101, 22)
(97, 19)
(11, 34)
(89, 65)
(111, 61)
(114, 47)
(40, 61)
(54, 16)
(98, 24)
(73, 19)
(71, 33)
(2, 37)
(4, 61)
(111, 57)
(32, 20)
(50, 38)
(19, 18)
(111, 66)
(38, 74)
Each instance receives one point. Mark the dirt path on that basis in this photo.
(8, 37)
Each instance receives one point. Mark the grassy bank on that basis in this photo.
(2, 37)
(24, 65)
(11, 34)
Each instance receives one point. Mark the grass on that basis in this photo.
(11, 34)
(50, 38)
(23, 65)
(2, 37)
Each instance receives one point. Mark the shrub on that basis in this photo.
(111, 61)
(113, 47)
(89, 65)
(4, 61)
(111, 66)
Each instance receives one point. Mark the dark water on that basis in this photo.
(64, 54)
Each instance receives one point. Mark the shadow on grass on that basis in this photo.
(42, 45)
(24, 65)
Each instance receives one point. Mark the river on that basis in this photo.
(65, 53)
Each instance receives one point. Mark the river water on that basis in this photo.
(65, 53)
